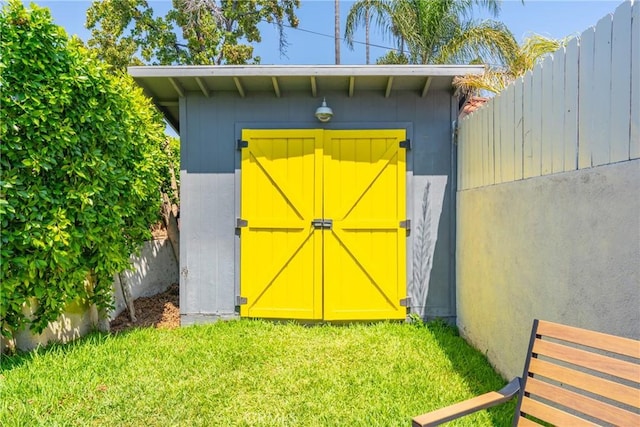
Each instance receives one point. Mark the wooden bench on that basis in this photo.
(571, 376)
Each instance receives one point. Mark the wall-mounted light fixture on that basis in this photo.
(324, 113)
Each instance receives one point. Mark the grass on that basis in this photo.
(249, 373)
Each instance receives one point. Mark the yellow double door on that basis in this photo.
(321, 215)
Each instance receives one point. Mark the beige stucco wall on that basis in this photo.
(153, 272)
(563, 247)
(77, 320)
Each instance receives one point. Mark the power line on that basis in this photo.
(362, 43)
(331, 37)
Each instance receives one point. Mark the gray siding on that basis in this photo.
(210, 170)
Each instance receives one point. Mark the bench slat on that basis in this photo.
(596, 385)
(525, 422)
(597, 362)
(457, 410)
(451, 412)
(581, 403)
(614, 344)
(550, 414)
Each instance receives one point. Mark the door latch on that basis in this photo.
(322, 223)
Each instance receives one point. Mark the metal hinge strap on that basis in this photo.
(406, 144)
(405, 302)
(242, 144)
(406, 224)
(240, 300)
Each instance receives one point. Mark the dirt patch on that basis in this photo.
(158, 231)
(158, 311)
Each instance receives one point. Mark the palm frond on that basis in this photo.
(490, 40)
(534, 48)
(491, 81)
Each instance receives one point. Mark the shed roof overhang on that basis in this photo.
(166, 84)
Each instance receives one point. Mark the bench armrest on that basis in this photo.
(458, 410)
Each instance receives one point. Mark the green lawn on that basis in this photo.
(249, 373)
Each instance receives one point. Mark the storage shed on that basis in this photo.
(285, 216)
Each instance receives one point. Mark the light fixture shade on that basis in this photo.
(324, 113)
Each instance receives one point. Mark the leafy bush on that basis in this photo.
(82, 162)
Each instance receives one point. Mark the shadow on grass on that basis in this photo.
(474, 367)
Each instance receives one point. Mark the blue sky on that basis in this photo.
(555, 19)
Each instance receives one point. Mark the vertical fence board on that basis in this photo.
(478, 160)
(634, 146)
(478, 138)
(602, 91)
(469, 150)
(556, 127)
(489, 171)
(488, 117)
(536, 121)
(484, 146)
(547, 138)
(472, 154)
(478, 163)
(620, 96)
(507, 127)
(460, 155)
(468, 147)
(511, 127)
(488, 149)
(468, 153)
(497, 141)
(587, 111)
(518, 135)
(570, 137)
(527, 116)
(463, 159)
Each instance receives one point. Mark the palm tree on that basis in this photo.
(367, 27)
(495, 78)
(362, 12)
(437, 31)
(337, 30)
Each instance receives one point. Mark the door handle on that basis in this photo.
(322, 223)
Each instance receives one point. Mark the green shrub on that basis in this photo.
(81, 167)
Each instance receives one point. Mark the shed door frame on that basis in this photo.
(323, 148)
(237, 174)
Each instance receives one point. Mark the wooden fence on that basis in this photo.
(577, 109)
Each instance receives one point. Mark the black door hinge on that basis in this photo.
(406, 144)
(242, 144)
(240, 223)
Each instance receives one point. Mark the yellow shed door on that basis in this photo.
(322, 238)
(280, 254)
(365, 250)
